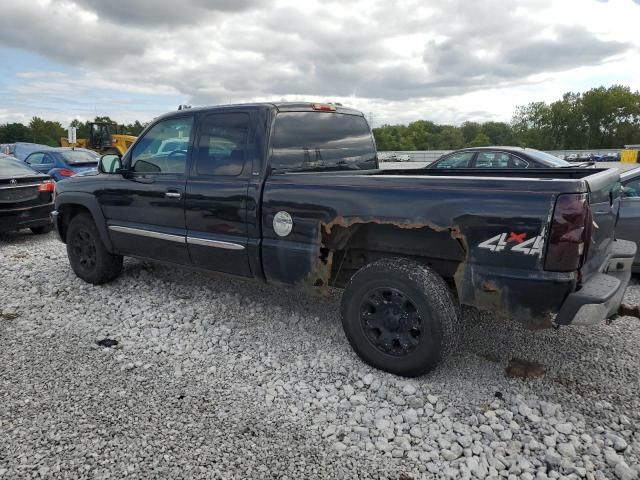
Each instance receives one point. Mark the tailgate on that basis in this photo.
(604, 197)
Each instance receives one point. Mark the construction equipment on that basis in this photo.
(630, 154)
(104, 138)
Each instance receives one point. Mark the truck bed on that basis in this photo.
(344, 219)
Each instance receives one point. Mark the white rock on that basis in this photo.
(566, 450)
(565, 428)
(349, 391)
(623, 472)
(339, 446)
(410, 416)
(409, 389)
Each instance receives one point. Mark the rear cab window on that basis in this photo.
(321, 141)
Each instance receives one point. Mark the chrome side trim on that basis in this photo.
(147, 233)
(24, 185)
(214, 243)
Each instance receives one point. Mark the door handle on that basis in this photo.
(173, 195)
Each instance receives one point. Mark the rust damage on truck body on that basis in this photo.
(483, 291)
(334, 235)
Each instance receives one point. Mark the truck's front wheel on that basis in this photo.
(400, 316)
(88, 256)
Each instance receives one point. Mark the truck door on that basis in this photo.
(217, 193)
(145, 208)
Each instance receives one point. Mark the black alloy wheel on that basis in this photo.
(391, 321)
(83, 246)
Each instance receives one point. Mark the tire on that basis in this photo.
(88, 256)
(41, 230)
(400, 316)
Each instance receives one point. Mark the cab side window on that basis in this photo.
(456, 160)
(222, 144)
(631, 189)
(164, 148)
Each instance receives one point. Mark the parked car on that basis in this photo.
(609, 157)
(60, 163)
(498, 157)
(629, 222)
(299, 200)
(26, 197)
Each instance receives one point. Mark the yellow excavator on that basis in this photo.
(104, 138)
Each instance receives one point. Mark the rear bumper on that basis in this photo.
(600, 296)
(15, 219)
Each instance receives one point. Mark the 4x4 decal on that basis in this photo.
(515, 242)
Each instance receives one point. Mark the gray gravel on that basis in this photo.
(220, 378)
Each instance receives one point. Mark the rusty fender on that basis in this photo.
(322, 262)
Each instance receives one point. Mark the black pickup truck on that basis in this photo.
(291, 193)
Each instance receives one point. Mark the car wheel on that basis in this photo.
(400, 316)
(88, 256)
(41, 230)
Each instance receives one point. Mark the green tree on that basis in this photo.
(46, 132)
(14, 132)
(481, 140)
(470, 130)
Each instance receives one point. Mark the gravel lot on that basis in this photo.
(221, 378)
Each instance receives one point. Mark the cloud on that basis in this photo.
(163, 12)
(59, 33)
(383, 52)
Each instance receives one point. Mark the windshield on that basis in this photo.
(78, 156)
(547, 158)
(322, 141)
(10, 167)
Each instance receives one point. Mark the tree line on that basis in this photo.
(48, 132)
(599, 118)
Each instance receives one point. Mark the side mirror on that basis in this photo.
(109, 163)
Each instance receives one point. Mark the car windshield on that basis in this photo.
(316, 141)
(10, 167)
(78, 156)
(547, 158)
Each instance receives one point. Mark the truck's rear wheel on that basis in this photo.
(400, 316)
(88, 256)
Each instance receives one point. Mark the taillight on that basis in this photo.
(46, 186)
(323, 107)
(570, 233)
(65, 172)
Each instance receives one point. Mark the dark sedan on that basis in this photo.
(499, 157)
(26, 197)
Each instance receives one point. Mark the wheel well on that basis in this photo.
(346, 249)
(65, 214)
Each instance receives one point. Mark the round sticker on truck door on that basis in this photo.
(282, 224)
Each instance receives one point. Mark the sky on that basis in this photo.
(396, 60)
